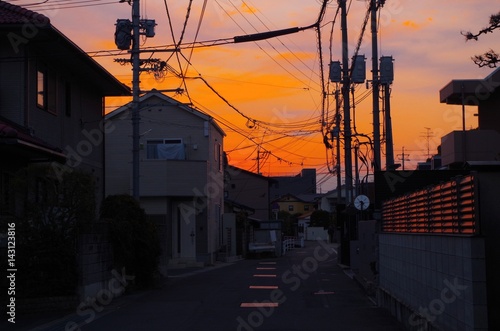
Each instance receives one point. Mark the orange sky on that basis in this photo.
(277, 81)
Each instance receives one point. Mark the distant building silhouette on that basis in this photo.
(303, 183)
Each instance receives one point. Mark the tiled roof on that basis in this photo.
(12, 14)
(11, 130)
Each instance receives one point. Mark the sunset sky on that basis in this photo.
(277, 82)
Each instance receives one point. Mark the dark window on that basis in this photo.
(218, 156)
(306, 207)
(290, 207)
(165, 149)
(67, 99)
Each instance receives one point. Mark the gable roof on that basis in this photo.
(168, 100)
(52, 45)
(236, 170)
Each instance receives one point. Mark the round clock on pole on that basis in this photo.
(362, 202)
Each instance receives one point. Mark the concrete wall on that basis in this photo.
(431, 281)
(364, 254)
(96, 261)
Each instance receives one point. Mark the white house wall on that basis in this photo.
(119, 155)
(194, 184)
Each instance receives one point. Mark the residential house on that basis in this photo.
(51, 98)
(181, 174)
(51, 113)
(249, 189)
(299, 204)
(246, 195)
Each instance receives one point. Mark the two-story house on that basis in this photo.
(51, 114)
(181, 174)
(248, 189)
(51, 97)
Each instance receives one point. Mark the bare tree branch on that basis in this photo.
(490, 58)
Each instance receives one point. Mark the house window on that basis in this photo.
(306, 207)
(46, 90)
(290, 207)
(67, 99)
(165, 149)
(218, 155)
(41, 89)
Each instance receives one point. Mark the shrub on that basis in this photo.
(50, 215)
(134, 238)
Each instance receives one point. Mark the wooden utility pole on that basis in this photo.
(135, 98)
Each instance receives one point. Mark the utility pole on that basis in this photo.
(135, 98)
(403, 157)
(428, 135)
(128, 32)
(389, 144)
(376, 87)
(347, 107)
(338, 148)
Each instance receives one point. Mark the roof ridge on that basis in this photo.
(30, 15)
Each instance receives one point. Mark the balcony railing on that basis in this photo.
(448, 208)
(173, 178)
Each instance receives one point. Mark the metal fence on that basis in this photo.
(447, 208)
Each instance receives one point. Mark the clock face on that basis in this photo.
(361, 202)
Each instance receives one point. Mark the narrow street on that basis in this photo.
(303, 290)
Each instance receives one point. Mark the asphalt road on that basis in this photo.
(303, 290)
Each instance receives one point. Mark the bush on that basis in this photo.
(51, 213)
(135, 241)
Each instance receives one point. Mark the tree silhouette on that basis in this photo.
(490, 58)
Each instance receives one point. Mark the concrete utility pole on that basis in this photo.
(135, 98)
(337, 135)
(376, 87)
(389, 144)
(346, 82)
